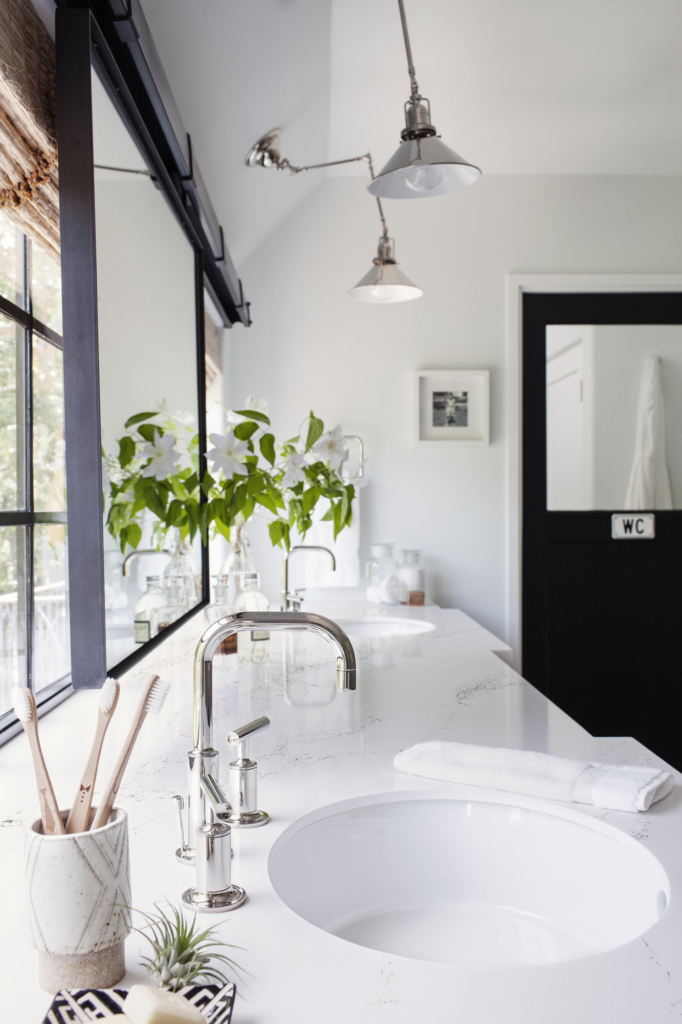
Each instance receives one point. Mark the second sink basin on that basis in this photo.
(468, 882)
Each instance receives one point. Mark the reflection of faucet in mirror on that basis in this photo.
(292, 601)
(125, 568)
(203, 758)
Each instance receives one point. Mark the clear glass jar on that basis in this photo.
(411, 578)
(218, 609)
(381, 574)
(182, 563)
(154, 597)
(253, 646)
(174, 606)
(239, 561)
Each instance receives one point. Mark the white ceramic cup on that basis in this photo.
(79, 903)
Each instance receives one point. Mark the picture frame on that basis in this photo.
(452, 408)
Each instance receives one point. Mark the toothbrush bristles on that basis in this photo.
(107, 695)
(156, 697)
(23, 705)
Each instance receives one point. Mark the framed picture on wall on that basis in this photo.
(452, 408)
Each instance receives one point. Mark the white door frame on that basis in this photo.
(517, 284)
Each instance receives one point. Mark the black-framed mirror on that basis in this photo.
(140, 247)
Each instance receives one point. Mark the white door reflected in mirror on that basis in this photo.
(614, 417)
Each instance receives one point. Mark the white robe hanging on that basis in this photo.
(649, 485)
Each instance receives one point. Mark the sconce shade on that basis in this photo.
(385, 282)
(423, 167)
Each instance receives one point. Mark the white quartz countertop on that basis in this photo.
(323, 747)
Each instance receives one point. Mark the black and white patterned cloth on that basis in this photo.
(81, 1006)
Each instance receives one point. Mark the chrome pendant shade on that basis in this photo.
(423, 165)
(420, 168)
(385, 282)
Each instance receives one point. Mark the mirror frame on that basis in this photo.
(118, 45)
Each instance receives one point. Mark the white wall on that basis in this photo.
(312, 346)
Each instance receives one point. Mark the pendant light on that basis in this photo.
(423, 165)
(385, 282)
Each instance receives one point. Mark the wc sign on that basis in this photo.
(633, 525)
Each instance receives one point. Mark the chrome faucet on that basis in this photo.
(292, 602)
(203, 758)
(125, 568)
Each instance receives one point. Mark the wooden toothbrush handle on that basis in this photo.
(80, 811)
(49, 809)
(106, 802)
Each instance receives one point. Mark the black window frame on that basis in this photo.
(117, 44)
(29, 326)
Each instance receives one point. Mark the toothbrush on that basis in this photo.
(80, 812)
(25, 709)
(151, 703)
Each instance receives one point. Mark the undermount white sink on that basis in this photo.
(468, 882)
(385, 626)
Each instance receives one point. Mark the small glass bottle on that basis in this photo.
(183, 564)
(218, 609)
(253, 646)
(411, 577)
(154, 597)
(381, 574)
(174, 606)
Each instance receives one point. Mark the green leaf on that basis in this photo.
(338, 519)
(156, 501)
(138, 418)
(252, 415)
(315, 431)
(134, 534)
(207, 483)
(247, 508)
(254, 484)
(126, 451)
(243, 431)
(328, 516)
(149, 430)
(266, 501)
(310, 499)
(267, 447)
(225, 530)
(276, 531)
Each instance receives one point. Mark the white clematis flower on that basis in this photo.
(293, 473)
(225, 455)
(331, 447)
(163, 455)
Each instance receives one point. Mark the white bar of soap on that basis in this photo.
(146, 1005)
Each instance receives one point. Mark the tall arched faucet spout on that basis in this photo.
(203, 758)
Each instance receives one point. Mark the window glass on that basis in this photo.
(51, 658)
(11, 416)
(48, 427)
(46, 289)
(12, 615)
(11, 250)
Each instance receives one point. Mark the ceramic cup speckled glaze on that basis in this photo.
(78, 903)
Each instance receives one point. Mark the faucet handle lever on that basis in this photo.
(183, 852)
(240, 737)
(219, 802)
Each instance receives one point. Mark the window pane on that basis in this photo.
(51, 653)
(11, 416)
(46, 289)
(11, 259)
(12, 612)
(48, 427)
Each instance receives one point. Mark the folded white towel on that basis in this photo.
(616, 787)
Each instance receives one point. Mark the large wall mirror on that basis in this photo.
(141, 249)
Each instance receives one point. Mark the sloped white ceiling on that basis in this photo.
(238, 68)
(516, 86)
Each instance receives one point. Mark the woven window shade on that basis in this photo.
(29, 190)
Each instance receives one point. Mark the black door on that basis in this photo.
(602, 582)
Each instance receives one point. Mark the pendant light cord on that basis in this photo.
(408, 49)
